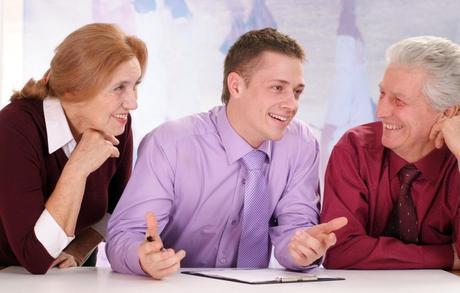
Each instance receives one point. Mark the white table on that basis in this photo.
(16, 279)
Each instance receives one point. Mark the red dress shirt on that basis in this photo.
(362, 184)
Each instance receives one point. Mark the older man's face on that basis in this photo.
(406, 114)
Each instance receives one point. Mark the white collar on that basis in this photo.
(57, 127)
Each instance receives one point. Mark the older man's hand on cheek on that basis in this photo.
(447, 130)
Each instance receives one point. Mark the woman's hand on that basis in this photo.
(65, 260)
(93, 149)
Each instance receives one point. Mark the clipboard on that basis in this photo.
(260, 276)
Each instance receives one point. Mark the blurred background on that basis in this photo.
(345, 42)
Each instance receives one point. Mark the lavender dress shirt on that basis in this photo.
(189, 174)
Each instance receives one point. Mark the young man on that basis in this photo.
(226, 185)
(398, 181)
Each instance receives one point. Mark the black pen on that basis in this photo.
(150, 239)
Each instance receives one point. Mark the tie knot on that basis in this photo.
(254, 160)
(408, 174)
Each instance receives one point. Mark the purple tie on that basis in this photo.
(254, 248)
(403, 222)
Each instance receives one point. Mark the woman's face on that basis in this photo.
(108, 110)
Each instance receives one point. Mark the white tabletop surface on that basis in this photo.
(16, 279)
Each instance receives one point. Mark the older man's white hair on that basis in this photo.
(440, 58)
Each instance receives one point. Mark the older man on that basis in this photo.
(398, 181)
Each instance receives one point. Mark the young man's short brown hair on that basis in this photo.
(244, 54)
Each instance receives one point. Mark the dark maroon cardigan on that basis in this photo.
(28, 175)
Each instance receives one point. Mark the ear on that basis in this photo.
(451, 112)
(234, 84)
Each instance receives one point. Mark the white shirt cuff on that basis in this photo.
(101, 226)
(50, 234)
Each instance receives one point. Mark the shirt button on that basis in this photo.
(234, 222)
(223, 260)
(243, 181)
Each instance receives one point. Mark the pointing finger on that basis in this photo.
(328, 227)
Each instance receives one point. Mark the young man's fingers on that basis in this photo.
(297, 256)
(152, 262)
(181, 254)
(312, 245)
(330, 240)
(302, 238)
(152, 247)
(167, 271)
(152, 226)
(164, 263)
(328, 227)
(325, 240)
(167, 260)
(162, 260)
(305, 254)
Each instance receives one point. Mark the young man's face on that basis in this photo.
(406, 114)
(269, 99)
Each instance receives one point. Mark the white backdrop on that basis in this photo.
(345, 42)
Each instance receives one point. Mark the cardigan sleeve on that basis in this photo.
(21, 188)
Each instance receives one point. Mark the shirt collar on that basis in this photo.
(430, 166)
(57, 127)
(235, 146)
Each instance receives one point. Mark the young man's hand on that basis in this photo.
(310, 244)
(155, 260)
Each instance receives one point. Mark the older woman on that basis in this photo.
(66, 149)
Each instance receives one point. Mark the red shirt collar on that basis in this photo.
(430, 166)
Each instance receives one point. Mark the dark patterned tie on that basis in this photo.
(403, 219)
(254, 247)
